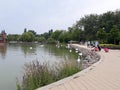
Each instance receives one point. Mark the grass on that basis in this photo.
(38, 74)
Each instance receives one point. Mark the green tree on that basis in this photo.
(101, 34)
(55, 35)
(50, 32)
(114, 33)
(90, 24)
(13, 37)
(76, 35)
(32, 31)
(119, 39)
(27, 37)
(107, 20)
(25, 30)
(50, 41)
(41, 39)
(63, 37)
(46, 35)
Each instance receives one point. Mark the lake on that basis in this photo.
(14, 56)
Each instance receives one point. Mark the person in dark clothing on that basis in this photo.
(99, 48)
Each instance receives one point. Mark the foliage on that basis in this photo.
(27, 37)
(37, 74)
(111, 46)
(32, 31)
(25, 30)
(90, 24)
(51, 41)
(13, 37)
(68, 69)
(55, 35)
(114, 33)
(101, 34)
(104, 27)
(41, 39)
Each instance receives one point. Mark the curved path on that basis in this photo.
(103, 75)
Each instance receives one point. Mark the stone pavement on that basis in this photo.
(103, 75)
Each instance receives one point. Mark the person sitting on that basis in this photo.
(99, 48)
(106, 49)
(95, 49)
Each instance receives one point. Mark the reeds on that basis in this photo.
(38, 74)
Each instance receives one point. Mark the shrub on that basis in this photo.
(37, 74)
(51, 41)
(111, 46)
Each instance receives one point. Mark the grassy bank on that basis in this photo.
(37, 74)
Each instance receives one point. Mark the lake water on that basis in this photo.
(14, 56)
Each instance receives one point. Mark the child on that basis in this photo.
(106, 49)
(99, 48)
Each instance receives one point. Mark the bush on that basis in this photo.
(111, 46)
(37, 74)
(51, 41)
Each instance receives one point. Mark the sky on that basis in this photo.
(43, 15)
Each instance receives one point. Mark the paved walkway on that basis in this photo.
(104, 75)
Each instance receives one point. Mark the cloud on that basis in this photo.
(42, 15)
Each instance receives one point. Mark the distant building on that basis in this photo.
(3, 37)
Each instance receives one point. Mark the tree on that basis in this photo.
(101, 34)
(32, 31)
(27, 37)
(41, 39)
(93, 22)
(51, 41)
(90, 23)
(114, 33)
(13, 37)
(50, 32)
(55, 35)
(76, 35)
(25, 30)
(46, 35)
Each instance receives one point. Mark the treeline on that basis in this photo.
(104, 27)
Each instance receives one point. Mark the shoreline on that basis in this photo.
(92, 56)
(87, 67)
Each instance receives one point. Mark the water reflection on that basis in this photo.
(3, 50)
(14, 56)
(61, 52)
(28, 49)
(34, 50)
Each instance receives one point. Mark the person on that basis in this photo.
(92, 44)
(96, 43)
(95, 49)
(106, 49)
(99, 48)
(88, 44)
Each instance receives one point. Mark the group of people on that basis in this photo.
(95, 46)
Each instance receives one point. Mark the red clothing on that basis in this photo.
(106, 49)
